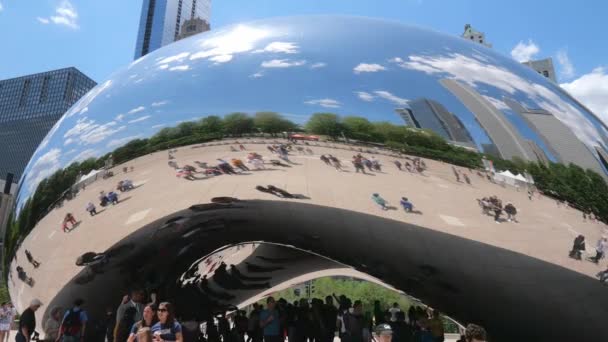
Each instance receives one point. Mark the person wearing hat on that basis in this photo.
(384, 333)
(27, 322)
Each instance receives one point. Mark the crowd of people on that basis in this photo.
(493, 206)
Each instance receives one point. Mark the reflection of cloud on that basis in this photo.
(499, 104)
(179, 68)
(592, 90)
(365, 96)
(159, 125)
(137, 110)
(393, 98)
(475, 72)
(177, 58)
(163, 66)
(318, 65)
(282, 63)
(119, 142)
(44, 166)
(84, 155)
(280, 47)
(523, 52)
(87, 132)
(566, 67)
(221, 58)
(88, 98)
(146, 117)
(364, 67)
(257, 75)
(327, 103)
(238, 39)
(159, 103)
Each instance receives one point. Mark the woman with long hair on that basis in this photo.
(142, 330)
(167, 329)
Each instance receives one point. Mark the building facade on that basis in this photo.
(433, 115)
(558, 137)
(193, 26)
(502, 133)
(408, 117)
(29, 107)
(543, 67)
(161, 22)
(475, 36)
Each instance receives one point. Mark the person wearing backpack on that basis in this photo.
(74, 323)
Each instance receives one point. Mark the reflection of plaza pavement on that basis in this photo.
(544, 232)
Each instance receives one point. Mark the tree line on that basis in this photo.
(583, 188)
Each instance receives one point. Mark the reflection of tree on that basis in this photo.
(584, 188)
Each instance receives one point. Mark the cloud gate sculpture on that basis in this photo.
(165, 163)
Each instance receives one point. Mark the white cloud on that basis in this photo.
(365, 96)
(318, 65)
(65, 14)
(327, 103)
(592, 90)
(524, 52)
(221, 58)
(257, 75)
(393, 98)
(145, 117)
(119, 142)
(1, 7)
(119, 117)
(566, 67)
(87, 132)
(239, 39)
(364, 67)
(282, 63)
(137, 110)
(179, 68)
(159, 125)
(499, 104)
(475, 72)
(280, 47)
(159, 103)
(163, 66)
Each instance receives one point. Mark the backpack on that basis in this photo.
(71, 323)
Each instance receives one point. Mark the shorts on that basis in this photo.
(5, 327)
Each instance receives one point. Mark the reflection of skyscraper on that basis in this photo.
(603, 156)
(538, 152)
(408, 118)
(161, 21)
(558, 137)
(503, 134)
(434, 116)
(29, 107)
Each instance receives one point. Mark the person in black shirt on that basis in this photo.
(27, 322)
(330, 317)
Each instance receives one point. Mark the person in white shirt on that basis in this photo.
(394, 311)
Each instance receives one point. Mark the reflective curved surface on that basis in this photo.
(149, 128)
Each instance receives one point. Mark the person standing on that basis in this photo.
(330, 319)
(167, 328)
(27, 322)
(5, 326)
(436, 327)
(142, 330)
(11, 312)
(51, 326)
(393, 311)
(270, 322)
(74, 322)
(600, 249)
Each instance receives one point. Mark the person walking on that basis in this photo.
(91, 209)
(167, 328)
(380, 201)
(27, 322)
(74, 323)
(270, 322)
(600, 249)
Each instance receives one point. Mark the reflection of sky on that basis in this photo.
(296, 66)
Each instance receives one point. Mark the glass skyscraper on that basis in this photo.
(29, 107)
(161, 21)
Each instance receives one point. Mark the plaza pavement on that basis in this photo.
(545, 231)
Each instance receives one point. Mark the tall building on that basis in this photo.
(408, 117)
(193, 26)
(433, 115)
(543, 67)
(161, 22)
(540, 154)
(475, 36)
(558, 137)
(29, 107)
(502, 133)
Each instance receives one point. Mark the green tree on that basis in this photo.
(325, 124)
(272, 123)
(360, 128)
(211, 125)
(237, 124)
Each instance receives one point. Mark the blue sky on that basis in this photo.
(98, 37)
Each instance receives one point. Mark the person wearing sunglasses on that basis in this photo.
(167, 329)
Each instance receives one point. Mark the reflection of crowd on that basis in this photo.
(493, 206)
